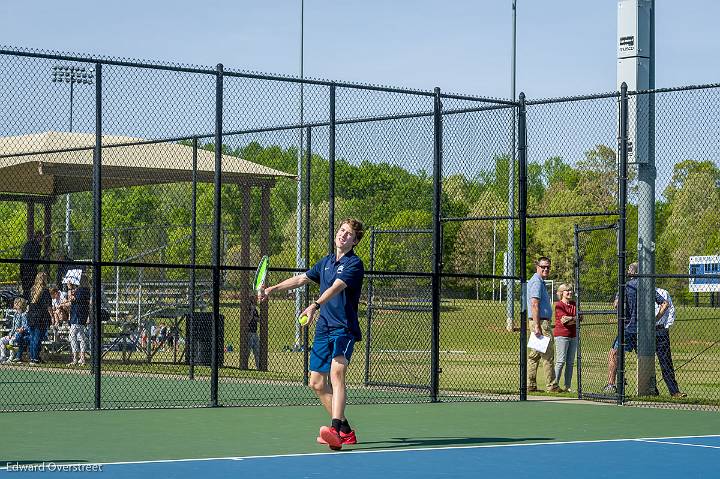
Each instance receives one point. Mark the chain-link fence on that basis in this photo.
(157, 188)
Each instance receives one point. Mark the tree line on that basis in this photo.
(152, 223)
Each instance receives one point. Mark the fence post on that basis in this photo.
(216, 237)
(190, 321)
(437, 248)
(306, 291)
(622, 253)
(97, 233)
(369, 310)
(578, 306)
(331, 174)
(522, 214)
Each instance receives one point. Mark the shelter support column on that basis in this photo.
(264, 249)
(246, 305)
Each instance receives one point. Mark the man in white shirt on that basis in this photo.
(662, 344)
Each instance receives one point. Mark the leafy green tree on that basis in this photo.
(693, 217)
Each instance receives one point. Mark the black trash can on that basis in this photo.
(199, 343)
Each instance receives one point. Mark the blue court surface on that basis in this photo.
(677, 457)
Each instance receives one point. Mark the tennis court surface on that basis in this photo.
(537, 438)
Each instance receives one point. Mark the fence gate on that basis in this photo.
(596, 283)
(399, 310)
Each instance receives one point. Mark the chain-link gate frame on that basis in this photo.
(595, 323)
(411, 366)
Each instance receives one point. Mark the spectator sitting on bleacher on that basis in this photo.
(16, 338)
(60, 311)
(162, 336)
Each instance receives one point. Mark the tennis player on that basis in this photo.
(337, 329)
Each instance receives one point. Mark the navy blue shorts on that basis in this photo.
(630, 342)
(328, 346)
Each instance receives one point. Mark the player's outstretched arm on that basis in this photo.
(290, 283)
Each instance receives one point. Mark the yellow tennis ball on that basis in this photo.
(303, 320)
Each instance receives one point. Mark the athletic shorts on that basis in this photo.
(328, 346)
(630, 342)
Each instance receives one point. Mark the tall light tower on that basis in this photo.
(71, 75)
(636, 67)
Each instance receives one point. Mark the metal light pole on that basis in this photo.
(510, 258)
(298, 222)
(71, 75)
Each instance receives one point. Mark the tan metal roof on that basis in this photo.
(39, 164)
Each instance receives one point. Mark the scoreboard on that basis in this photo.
(705, 265)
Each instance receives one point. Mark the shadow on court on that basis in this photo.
(405, 442)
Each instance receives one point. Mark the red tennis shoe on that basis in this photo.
(346, 439)
(331, 437)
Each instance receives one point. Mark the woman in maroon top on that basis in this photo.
(565, 334)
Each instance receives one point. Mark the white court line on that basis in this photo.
(678, 443)
(483, 446)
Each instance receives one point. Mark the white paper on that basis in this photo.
(538, 344)
(73, 277)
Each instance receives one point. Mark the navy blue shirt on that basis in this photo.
(631, 308)
(80, 306)
(341, 311)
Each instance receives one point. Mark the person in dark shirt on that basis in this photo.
(28, 271)
(39, 315)
(252, 332)
(79, 298)
(340, 275)
(630, 324)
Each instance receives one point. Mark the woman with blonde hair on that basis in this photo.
(565, 334)
(39, 314)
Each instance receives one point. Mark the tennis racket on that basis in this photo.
(261, 273)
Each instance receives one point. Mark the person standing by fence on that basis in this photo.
(39, 315)
(79, 297)
(565, 334)
(662, 345)
(630, 309)
(539, 313)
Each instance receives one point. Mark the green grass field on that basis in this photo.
(478, 359)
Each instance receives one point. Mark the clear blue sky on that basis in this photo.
(565, 47)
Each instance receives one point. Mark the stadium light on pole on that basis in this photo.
(71, 75)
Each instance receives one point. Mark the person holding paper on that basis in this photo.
(539, 314)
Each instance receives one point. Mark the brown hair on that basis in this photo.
(357, 227)
(542, 258)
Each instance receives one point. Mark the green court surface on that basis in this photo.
(165, 434)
